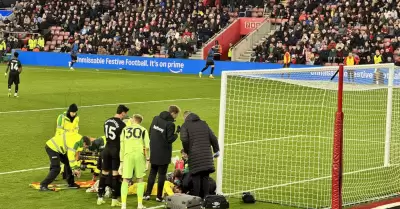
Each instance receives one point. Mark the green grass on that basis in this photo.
(24, 134)
(280, 144)
(284, 132)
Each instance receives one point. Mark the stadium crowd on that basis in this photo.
(176, 28)
(329, 31)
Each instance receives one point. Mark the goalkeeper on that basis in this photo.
(133, 155)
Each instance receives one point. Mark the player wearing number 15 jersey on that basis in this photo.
(15, 67)
(110, 156)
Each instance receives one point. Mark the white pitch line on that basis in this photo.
(392, 205)
(175, 151)
(103, 105)
(160, 206)
(307, 180)
(118, 72)
(233, 144)
(24, 170)
(266, 139)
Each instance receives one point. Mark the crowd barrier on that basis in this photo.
(183, 66)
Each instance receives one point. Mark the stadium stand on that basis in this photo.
(155, 27)
(325, 32)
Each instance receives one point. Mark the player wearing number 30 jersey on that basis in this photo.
(133, 154)
(110, 156)
(15, 67)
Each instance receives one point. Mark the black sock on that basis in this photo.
(205, 68)
(16, 88)
(72, 63)
(9, 86)
(115, 186)
(102, 185)
(212, 70)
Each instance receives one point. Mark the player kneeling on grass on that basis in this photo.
(57, 150)
(133, 155)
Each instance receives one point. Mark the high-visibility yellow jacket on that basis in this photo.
(32, 43)
(3, 45)
(41, 42)
(230, 52)
(349, 61)
(377, 59)
(64, 124)
(64, 144)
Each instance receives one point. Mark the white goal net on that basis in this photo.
(277, 127)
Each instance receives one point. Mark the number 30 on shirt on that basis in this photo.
(135, 133)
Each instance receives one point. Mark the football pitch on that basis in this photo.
(29, 121)
(286, 142)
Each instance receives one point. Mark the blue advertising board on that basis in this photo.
(184, 66)
(134, 63)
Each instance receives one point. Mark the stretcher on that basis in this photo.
(59, 187)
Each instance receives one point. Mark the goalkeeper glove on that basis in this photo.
(178, 129)
(216, 155)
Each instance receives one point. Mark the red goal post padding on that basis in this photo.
(337, 159)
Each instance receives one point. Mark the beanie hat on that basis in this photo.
(73, 108)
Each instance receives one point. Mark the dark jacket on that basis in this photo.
(162, 135)
(197, 139)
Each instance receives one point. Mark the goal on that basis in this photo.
(277, 133)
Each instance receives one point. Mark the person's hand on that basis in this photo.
(120, 168)
(77, 173)
(216, 155)
(5, 75)
(178, 129)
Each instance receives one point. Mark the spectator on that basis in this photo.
(179, 54)
(362, 27)
(197, 139)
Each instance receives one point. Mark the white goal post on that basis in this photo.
(276, 135)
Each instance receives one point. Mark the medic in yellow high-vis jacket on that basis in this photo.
(68, 121)
(60, 150)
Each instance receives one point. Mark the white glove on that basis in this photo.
(77, 173)
(121, 165)
(216, 155)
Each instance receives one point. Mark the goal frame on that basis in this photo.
(336, 193)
